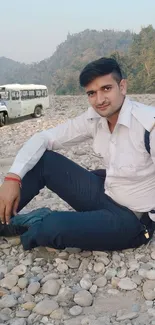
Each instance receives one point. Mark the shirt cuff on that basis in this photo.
(18, 169)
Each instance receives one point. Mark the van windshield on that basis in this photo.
(4, 94)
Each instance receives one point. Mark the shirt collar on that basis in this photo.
(124, 117)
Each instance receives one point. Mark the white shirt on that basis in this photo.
(130, 179)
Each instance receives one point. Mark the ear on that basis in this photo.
(123, 86)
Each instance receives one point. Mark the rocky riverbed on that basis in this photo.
(70, 287)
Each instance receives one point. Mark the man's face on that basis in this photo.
(105, 95)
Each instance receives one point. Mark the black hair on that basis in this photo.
(98, 68)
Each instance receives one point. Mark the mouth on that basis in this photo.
(103, 107)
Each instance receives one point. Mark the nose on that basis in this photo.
(100, 98)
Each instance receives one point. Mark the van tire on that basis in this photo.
(3, 119)
(37, 112)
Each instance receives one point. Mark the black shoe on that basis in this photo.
(11, 230)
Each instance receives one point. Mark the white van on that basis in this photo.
(18, 100)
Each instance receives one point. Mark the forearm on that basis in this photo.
(62, 136)
(29, 155)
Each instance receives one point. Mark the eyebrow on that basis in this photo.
(102, 87)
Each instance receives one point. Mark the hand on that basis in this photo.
(9, 199)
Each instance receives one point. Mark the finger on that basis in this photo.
(8, 211)
(2, 212)
(15, 207)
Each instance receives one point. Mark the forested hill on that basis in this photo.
(60, 72)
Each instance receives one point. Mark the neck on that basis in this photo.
(112, 120)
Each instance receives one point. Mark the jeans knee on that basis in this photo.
(49, 158)
(47, 155)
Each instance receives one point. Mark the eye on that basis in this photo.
(91, 94)
(107, 88)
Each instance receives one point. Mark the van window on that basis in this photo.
(44, 93)
(24, 94)
(15, 95)
(38, 93)
(5, 95)
(31, 94)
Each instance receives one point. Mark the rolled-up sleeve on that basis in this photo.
(62, 136)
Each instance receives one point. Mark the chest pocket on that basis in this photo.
(131, 156)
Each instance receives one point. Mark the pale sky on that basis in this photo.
(30, 30)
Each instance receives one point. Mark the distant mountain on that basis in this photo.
(8, 68)
(60, 72)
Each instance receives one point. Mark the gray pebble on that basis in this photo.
(22, 313)
(18, 321)
(33, 288)
(34, 279)
(75, 310)
(28, 297)
(8, 301)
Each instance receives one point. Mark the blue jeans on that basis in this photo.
(98, 223)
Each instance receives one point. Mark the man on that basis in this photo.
(112, 211)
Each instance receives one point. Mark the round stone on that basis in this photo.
(83, 298)
(150, 275)
(75, 310)
(93, 289)
(50, 276)
(28, 305)
(99, 267)
(28, 297)
(45, 307)
(122, 273)
(22, 313)
(33, 288)
(85, 284)
(62, 267)
(73, 263)
(127, 284)
(8, 301)
(19, 270)
(16, 290)
(153, 255)
(149, 289)
(51, 287)
(57, 313)
(3, 292)
(101, 282)
(65, 295)
(22, 283)
(9, 281)
(110, 273)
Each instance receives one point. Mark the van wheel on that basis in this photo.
(3, 119)
(37, 111)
